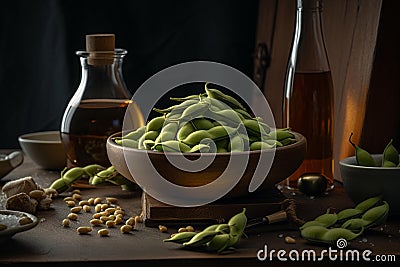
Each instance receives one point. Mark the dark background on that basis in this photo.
(39, 71)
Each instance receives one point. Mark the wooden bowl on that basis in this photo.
(287, 159)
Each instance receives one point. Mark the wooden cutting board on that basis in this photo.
(258, 205)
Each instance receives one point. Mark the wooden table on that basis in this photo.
(50, 243)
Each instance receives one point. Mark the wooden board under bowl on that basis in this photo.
(257, 205)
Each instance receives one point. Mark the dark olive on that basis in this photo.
(312, 184)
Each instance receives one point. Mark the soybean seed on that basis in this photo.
(69, 199)
(95, 222)
(138, 219)
(97, 208)
(86, 208)
(111, 217)
(104, 207)
(110, 224)
(290, 240)
(84, 230)
(162, 228)
(65, 222)
(130, 221)
(70, 203)
(37, 194)
(118, 220)
(125, 229)
(77, 196)
(102, 232)
(25, 220)
(83, 203)
(110, 210)
(190, 228)
(119, 216)
(182, 229)
(121, 212)
(76, 191)
(76, 209)
(111, 200)
(91, 201)
(96, 216)
(51, 192)
(104, 218)
(97, 200)
(73, 216)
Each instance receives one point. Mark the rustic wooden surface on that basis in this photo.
(50, 243)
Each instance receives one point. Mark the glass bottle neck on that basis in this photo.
(312, 55)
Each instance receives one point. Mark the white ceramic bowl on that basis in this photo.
(364, 182)
(45, 149)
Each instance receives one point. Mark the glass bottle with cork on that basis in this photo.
(308, 101)
(99, 105)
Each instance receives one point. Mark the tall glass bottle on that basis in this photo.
(308, 103)
(98, 107)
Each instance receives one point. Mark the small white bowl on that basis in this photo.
(363, 182)
(45, 149)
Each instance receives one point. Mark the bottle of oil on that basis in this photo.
(308, 103)
(99, 105)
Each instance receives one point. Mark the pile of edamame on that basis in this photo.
(390, 156)
(97, 174)
(208, 122)
(215, 238)
(347, 224)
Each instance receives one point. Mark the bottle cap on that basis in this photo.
(100, 48)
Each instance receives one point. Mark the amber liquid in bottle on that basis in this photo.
(310, 112)
(87, 127)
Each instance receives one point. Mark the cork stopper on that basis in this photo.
(100, 48)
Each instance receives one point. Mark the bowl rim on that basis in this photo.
(29, 137)
(344, 162)
(300, 141)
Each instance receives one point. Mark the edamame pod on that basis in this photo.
(236, 144)
(181, 238)
(92, 169)
(227, 99)
(200, 239)
(367, 204)
(390, 155)
(362, 156)
(60, 185)
(202, 124)
(325, 220)
(258, 145)
(168, 132)
(218, 243)
(155, 124)
(181, 99)
(185, 130)
(282, 134)
(171, 146)
(203, 148)
(135, 135)
(237, 223)
(348, 214)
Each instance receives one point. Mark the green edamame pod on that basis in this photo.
(221, 132)
(185, 130)
(211, 227)
(243, 113)
(181, 238)
(168, 132)
(368, 203)
(203, 148)
(227, 99)
(135, 135)
(93, 169)
(196, 137)
(223, 228)
(236, 144)
(222, 143)
(390, 154)
(176, 112)
(237, 224)
(155, 124)
(128, 143)
(226, 117)
(72, 175)
(377, 215)
(200, 239)
(151, 135)
(202, 124)
(287, 141)
(362, 156)
(60, 185)
(258, 145)
(325, 220)
(354, 224)
(193, 111)
(348, 214)
(282, 134)
(181, 99)
(218, 243)
(171, 146)
(332, 235)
